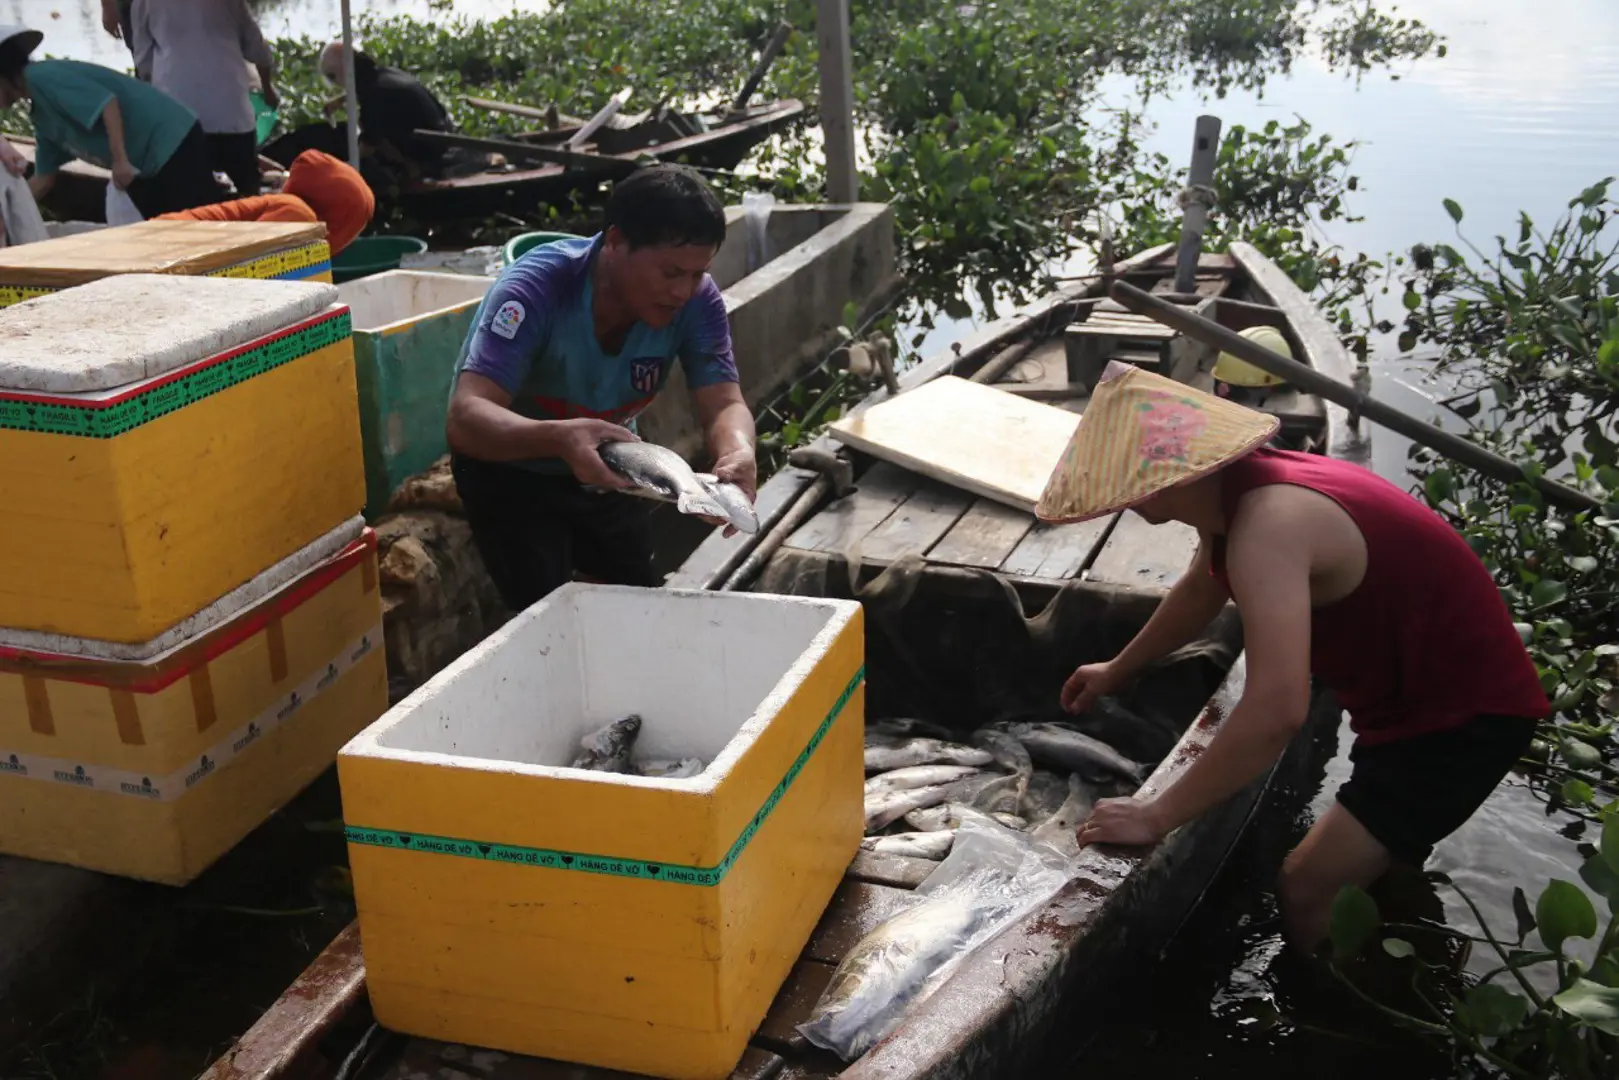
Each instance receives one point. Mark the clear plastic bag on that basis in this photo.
(992, 876)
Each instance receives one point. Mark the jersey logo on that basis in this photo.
(507, 319)
(644, 374)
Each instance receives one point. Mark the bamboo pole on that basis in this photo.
(1312, 381)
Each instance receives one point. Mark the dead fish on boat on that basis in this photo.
(1047, 791)
(1061, 830)
(660, 473)
(949, 818)
(915, 845)
(918, 776)
(882, 756)
(1010, 755)
(683, 769)
(608, 749)
(885, 970)
(1074, 751)
(888, 805)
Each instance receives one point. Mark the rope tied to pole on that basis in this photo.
(1196, 195)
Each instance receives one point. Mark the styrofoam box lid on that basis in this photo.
(130, 327)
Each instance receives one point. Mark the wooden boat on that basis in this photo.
(666, 136)
(80, 192)
(1102, 580)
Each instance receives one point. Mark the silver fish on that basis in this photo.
(917, 776)
(1010, 755)
(885, 970)
(672, 770)
(916, 845)
(608, 749)
(1061, 830)
(738, 510)
(1074, 751)
(887, 806)
(898, 754)
(1046, 793)
(951, 815)
(660, 473)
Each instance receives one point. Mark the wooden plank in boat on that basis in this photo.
(994, 445)
(984, 536)
(1057, 552)
(1144, 555)
(877, 494)
(900, 871)
(916, 524)
(795, 1000)
(855, 911)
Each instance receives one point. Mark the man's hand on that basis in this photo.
(1089, 682)
(580, 440)
(109, 19)
(271, 98)
(11, 159)
(124, 174)
(739, 467)
(1123, 821)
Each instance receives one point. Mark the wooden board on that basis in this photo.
(1057, 552)
(984, 536)
(150, 247)
(995, 445)
(792, 1007)
(877, 494)
(916, 524)
(1144, 555)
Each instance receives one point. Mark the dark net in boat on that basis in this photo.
(957, 647)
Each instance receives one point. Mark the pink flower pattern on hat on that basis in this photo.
(1167, 427)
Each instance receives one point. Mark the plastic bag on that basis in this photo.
(992, 876)
(120, 207)
(756, 207)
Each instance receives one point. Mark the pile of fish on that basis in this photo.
(660, 473)
(1039, 777)
(609, 749)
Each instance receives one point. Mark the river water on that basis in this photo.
(1522, 114)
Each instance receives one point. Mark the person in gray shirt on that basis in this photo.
(199, 53)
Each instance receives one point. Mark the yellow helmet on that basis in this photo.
(1236, 372)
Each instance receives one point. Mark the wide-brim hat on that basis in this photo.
(16, 43)
(1140, 434)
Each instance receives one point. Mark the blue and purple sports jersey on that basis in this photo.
(535, 337)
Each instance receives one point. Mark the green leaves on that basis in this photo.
(1579, 754)
(1492, 1010)
(1592, 1004)
(1355, 921)
(1399, 948)
(1562, 912)
(1546, 592)
(1454, 209)
(1440, 486)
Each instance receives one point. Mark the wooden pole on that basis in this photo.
(351, 96)
(1195, 213)
(837, 100)
(772, 48)
(1312, 381)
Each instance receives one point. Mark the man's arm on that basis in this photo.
(40, 184)
(256, 51)
(1190, 605)
(728, 433)
(1268, 563)
(482, 425)
(109, 18)
(123, 170)
(142, 47)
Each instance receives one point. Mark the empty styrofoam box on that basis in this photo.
(510, 901)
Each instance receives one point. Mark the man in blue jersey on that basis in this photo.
(572, 342)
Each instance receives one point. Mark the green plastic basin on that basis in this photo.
(519, 245)
(374, 254)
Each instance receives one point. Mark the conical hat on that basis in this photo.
(1141, 433)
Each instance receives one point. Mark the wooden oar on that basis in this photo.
(766, 58)
(1312, 381)
(533, 151)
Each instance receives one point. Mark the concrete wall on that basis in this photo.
(785, 315)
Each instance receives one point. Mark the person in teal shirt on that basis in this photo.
(153, 145)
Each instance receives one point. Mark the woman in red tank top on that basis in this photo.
(1337, 574)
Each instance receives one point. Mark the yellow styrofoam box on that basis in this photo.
(507, 900)
(154, 770)
(263, 250)
(129, 509)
